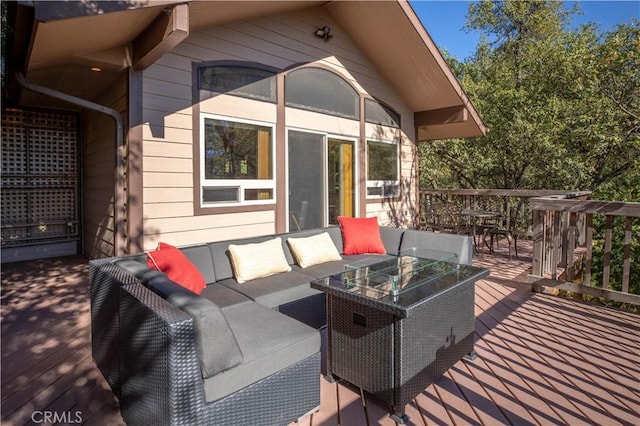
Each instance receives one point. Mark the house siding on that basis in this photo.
(280, 41)
(98, 176)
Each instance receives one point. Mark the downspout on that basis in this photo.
(118, 213)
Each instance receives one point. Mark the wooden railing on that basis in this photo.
(440, 208)
(565, 246)
(561, 225)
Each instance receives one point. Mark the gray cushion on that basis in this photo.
(337, 266)
(391, 238)
(218, 349)
(200, 256)
(461, 245)
(269, 342)
(274, 290)
(224, 296)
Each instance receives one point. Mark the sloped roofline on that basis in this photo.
(384, 30)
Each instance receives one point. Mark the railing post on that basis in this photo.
(564, 239)
(589, 245)
(556, 248)
(626, 257)
(571, 246)
(538, 243)
(607, 252)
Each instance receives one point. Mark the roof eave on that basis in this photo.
(422, 78)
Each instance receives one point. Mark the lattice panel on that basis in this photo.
(15, 117)
(14, 234)
(39, 177)
(52, 152)
(52, 205)
(14, 207)
(45, 119)
(14, 150)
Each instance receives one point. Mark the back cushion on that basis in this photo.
(217, 345)
(200, 256)
(391, 238)
(461, 245)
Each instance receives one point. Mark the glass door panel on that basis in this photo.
(306, 180)
(340, 179)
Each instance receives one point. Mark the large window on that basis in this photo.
(239, 80)
(382, 169)
(237, 162)
(319, 90)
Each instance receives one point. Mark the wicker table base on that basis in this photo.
(395, 357)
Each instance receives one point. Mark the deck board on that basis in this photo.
(541, 359)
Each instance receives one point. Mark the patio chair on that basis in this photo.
(518, 226)
(494, 234)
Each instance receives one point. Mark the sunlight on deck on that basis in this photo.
(542, 359)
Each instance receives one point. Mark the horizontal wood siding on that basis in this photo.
(280, 41)
(98, 173)
(400, 211)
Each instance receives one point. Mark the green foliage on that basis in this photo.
(561, 105)
(625, 187)
(563, 109)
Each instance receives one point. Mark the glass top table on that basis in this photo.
(397, 323)
(397, 283)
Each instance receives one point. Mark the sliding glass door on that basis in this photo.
(321, 179)
(306, 180)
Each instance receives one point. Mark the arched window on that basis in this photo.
(320, 90)
(378, 113)
(237, 78)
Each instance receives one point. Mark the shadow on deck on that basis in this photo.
(542, 359)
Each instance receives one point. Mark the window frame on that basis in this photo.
(240, 184)
(205, 93)
(357, 105)
(394, 115)
(383, 184)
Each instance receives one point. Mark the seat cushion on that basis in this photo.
(224, 296)
(270, 342)
(274, 290)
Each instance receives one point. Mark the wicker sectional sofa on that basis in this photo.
(236, 354)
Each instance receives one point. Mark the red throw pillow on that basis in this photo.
(361, 235)
(176, 266)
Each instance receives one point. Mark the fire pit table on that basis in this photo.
(396, 325)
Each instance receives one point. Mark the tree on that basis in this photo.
(609, 115)
(561, 105)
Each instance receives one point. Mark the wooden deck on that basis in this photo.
(542, 360)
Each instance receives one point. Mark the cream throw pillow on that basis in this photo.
(313, 250)
(257, 260)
